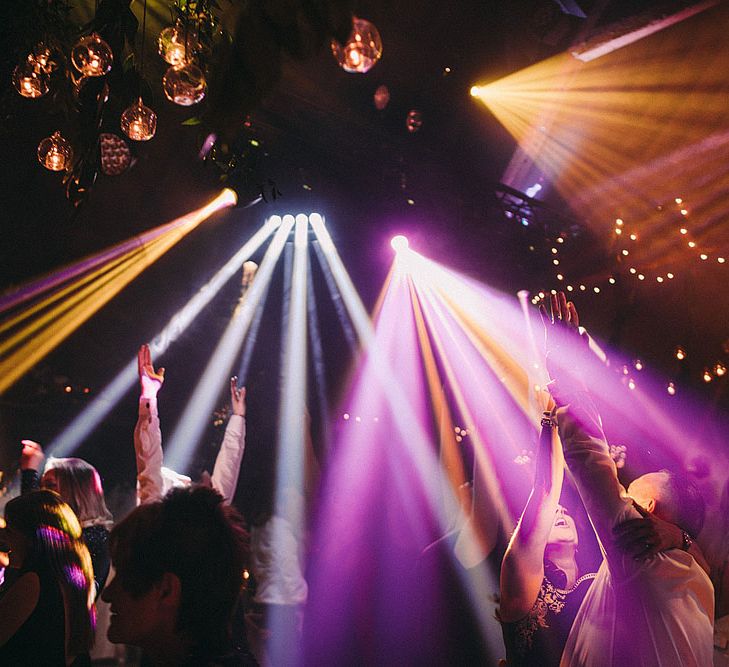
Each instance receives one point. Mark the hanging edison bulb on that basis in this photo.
(92, 56)
(44, 58)
(177, 43)
(54, 152)
(362, 50)
(184, 85)
(138, 122)
(29, 79)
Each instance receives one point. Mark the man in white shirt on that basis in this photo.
(637, 613)
(153, 479)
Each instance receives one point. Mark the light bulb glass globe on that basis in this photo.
(399, 243)
(302, 219)
(177, 44)
(362, 50)
(315, 218)
(138, 122)
(184, 85)
(275, 220)
(44, 58)
(55, 153)
(29, 79)
(92, 56)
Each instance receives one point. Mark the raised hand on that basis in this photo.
(563, 316)
(564, 342)
(237, 398)
(150, 380)
(31, 458)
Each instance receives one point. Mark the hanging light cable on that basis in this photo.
(139, 122)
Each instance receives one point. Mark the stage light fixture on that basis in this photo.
(399, 243)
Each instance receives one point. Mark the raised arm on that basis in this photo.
(522, 569)
(586, 451)
(227, 463)
(147, 433)
(31, 462)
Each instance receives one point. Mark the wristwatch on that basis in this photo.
(687, 541)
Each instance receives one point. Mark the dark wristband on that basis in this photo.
(29, 480)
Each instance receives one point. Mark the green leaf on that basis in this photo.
(195, 120)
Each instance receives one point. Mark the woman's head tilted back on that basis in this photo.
(79, 484)
(53, 547)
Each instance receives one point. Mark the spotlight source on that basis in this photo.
(399, 243)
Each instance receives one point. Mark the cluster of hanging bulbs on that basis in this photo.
(183, 83)
(91, 56)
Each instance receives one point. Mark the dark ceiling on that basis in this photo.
(326, 147)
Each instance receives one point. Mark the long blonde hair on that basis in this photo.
(79, 485)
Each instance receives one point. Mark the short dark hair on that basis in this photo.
(190, 533)
(689, 504)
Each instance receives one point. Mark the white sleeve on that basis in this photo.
(227, 464)
(587, 455)
(148, 450)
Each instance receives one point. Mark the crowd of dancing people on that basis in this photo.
(173, 574)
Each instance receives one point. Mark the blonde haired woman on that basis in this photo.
(79, 485)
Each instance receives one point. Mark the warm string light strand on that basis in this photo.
(626, 249)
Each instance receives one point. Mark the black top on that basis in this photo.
(97, 541)
(538, 639)
(41, 639)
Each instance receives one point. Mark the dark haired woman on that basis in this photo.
(542, 586)
(47, 615)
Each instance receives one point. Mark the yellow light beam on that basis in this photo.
(56, 325)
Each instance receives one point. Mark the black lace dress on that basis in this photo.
(538, 639)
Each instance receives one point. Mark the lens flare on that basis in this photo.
(399, 243)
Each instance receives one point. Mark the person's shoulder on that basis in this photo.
(28, 583)
(18, 603)
(673, 569)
